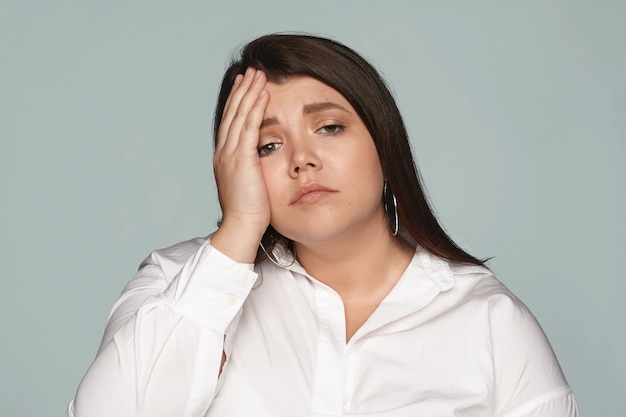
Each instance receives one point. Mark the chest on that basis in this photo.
(290, 358)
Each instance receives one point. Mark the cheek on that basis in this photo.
(372, 179)
(365, 167)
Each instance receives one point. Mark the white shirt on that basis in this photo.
(448, 340)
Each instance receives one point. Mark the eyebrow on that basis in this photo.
(321, 106)
(270, 121)
(307, 109)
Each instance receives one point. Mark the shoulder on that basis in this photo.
(526, 371)
(461, 281)
(479, 283)
(477, 294)
(503, 307)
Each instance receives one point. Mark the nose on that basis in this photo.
(303, 158)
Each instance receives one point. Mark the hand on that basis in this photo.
(240, 184)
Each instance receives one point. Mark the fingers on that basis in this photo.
(240, 184)
(243, 111)
(236, 82)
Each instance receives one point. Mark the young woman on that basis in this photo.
(329, 288)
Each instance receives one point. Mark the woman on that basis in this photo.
(329, 288)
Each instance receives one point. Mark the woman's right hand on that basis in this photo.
(241, 188)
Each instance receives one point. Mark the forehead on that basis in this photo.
(296, 92)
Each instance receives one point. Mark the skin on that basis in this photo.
(274, 141)
(312, 136)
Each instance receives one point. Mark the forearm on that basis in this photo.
(163, 358)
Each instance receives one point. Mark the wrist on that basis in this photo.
(238, 241)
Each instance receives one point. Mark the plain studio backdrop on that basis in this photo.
(516, 112)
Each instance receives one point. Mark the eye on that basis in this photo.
(332, 129)
(268, 148)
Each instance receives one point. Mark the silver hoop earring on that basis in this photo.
(391, 209)
(274, 261)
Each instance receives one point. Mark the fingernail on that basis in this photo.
(257, 74)
(238, 78)
(249, 70)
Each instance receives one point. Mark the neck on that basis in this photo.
(362, 264)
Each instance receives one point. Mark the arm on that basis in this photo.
(528, 377)
(162, 349)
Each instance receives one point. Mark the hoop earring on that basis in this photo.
(274, 261)
(391, 209)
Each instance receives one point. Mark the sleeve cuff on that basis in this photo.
(211, 288)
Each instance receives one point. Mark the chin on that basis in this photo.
(308, 234)
(317, 234)
(328, 226)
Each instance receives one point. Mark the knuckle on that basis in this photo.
(240, 114)
(218, 159)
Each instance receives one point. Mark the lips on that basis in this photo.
(310, 194)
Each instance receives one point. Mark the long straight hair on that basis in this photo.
(281, 56)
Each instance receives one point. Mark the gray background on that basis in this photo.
(516, 110)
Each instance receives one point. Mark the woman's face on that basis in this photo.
(319, 163)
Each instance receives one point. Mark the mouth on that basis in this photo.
(310, 194)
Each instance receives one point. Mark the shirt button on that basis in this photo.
(230, 299)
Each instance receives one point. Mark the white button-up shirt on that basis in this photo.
(448, 340)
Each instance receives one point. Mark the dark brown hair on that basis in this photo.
(282, 56)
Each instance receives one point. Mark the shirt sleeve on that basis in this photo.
(528, 378)
(163, 344)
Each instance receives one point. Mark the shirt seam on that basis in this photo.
(536, 402)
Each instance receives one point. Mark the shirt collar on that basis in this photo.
(428, 266)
